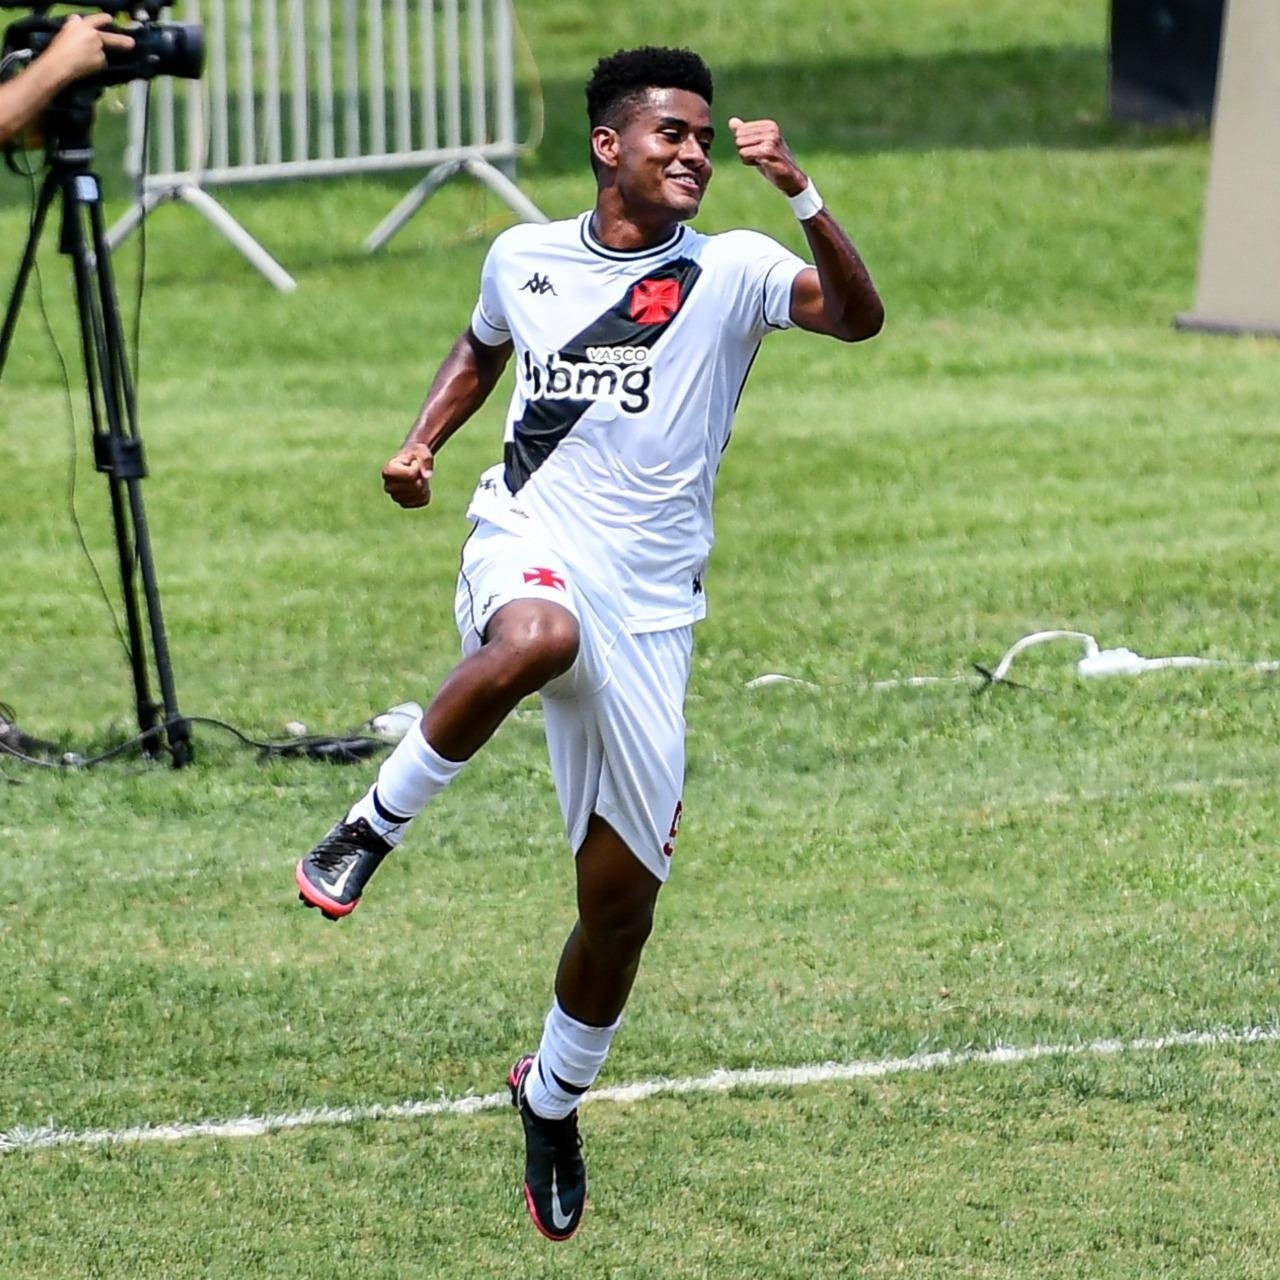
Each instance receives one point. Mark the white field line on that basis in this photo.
(721, 1081)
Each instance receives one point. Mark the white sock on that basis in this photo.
(568, 1062)
(411, 776)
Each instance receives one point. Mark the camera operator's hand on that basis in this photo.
(78, 50)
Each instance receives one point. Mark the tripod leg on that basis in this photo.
(177, 729)
(118, 453)
(109, 455)
(47, 191)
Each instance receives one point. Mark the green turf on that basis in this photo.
(862, 873)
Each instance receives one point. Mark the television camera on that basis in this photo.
(159, 48)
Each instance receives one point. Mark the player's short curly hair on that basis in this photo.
(622, 78)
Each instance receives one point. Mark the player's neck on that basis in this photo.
(624, 230)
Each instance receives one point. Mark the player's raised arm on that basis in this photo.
(462, 384)
(838, 298)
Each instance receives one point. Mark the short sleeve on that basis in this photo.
(488, 320)
(766, 272)
(775, 289)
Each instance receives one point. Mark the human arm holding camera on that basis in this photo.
(78, 50)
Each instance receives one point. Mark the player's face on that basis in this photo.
(664, 153)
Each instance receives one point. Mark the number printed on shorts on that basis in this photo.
(670, 847)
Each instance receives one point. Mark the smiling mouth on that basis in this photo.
(687, 181)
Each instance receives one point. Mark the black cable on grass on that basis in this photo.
(341, 748)
(335, 749)
(990, 679)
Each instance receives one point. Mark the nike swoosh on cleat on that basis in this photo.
(559, 1219)
(336, 887)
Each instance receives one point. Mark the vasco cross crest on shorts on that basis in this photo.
(544, 578)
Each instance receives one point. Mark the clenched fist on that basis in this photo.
(407, 477)
(760, 144)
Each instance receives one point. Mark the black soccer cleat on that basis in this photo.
(333, 875)
(555, 1175)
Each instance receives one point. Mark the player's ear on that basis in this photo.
(604, 146)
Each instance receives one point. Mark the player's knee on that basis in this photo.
(538, 644)
(619, 931)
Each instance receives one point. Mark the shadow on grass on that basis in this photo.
(1051, 96)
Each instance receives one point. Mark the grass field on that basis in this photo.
(864, 873)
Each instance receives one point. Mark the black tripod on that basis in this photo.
(117, 447)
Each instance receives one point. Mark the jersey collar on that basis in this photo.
(626, 255)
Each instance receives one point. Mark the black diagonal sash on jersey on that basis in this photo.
(630, 322)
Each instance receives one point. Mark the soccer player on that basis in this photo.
(632, 337)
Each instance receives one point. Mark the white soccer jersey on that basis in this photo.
(629, 367)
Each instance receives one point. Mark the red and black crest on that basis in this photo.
(544, 578)
(655, 301)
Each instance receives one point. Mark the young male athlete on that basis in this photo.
(633, 336)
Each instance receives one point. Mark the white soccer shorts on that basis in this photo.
(615, 720)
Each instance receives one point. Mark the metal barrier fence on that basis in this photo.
(322, 88)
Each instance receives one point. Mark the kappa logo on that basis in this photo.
(655, 301)
(538, 284)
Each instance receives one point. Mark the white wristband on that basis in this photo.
(806, 205)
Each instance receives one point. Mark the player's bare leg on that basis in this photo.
(616, 897)
(527, 643)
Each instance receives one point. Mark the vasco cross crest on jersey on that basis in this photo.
(655, 301)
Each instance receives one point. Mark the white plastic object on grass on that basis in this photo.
(908, 682)
(1095, 663)
(773, 677)
(1111, 662)
(1039, 637)
(1098, 663)
(393, 723)
(1124, 662)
